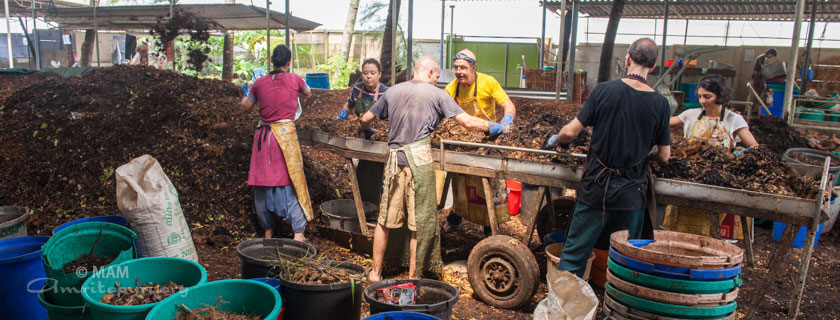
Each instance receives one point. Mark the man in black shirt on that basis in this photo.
(628, 119)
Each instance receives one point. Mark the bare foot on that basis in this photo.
(374, 277)
(300, 237)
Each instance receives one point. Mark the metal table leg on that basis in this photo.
(491, 207)
(748, 245)
(774, 267)
(357, 197)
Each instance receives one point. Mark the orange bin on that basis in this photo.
(514, 196)
(599, 268)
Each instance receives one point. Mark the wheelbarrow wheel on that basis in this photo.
(503, 272)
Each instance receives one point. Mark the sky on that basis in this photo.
(522, 18)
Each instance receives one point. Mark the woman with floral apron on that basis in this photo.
(716, 125)
(276, 171)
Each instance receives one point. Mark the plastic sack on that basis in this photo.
(569, 298)
(149, 201)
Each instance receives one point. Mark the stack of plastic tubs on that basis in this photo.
(674, 276)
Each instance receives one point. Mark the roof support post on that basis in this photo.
(664, 41)
(409, 64)
(442, 28)
(394, 45)
(572, 48)
(268, 34)
(542, 38)
(791, 70)
(451, 33)
(561, 50)
(288, 32)
(96, 32)
(808, 46)
(9, 35)
(36, 38)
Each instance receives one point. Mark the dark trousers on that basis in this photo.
(587, 224)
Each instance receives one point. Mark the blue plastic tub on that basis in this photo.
(778, 98)
(690, 90)
(318, 80)
(554, 237)
(401, 315)
(672, 272)
(799, 240)
(273, 282)
(110, 219)
(21, 278)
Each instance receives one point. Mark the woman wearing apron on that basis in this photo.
(714, 124)
(366, 92)
(276, 171)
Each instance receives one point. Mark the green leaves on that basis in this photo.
(339, 69)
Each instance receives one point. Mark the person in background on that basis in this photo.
(477, 94)
(366, 92)
(715, 124)
(414, 109)
(758, 81)
(628, 119)
(142, 56)
(276, 171)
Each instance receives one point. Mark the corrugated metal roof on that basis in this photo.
(226, 16)
(749, 10)
(23, 8)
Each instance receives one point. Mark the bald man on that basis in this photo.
(408, 204)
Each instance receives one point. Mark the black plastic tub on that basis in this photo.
(434, 298)
(257, 254)
(323, 301)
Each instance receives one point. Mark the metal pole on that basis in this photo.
(442, 28)
(268, 33)
(507, 51)
(96, 32)
(394, 46)
(542, 38)
(36, 38)
(685, 36)
(9, 35)
(409, 59)
(807, 62)
(664, 42)
(288, 21)
(559, 81)
(572, 48)
(794, 54)
(451, 34)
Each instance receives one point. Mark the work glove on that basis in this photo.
(740, 151)
(244, 88)
(496, 129)
(369, 133)
(554, 142)
(342, 115)
(507, 121)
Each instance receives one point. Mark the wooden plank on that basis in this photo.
(357, 197)
(491, 207)
(533, 222)
(748, 245)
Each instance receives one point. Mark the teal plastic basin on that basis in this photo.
(240, 296)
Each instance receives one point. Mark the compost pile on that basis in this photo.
(211, 313)
(64, 137)
(314, 271)
(87, 262)
(776, 134)
(144, 294)
(759, 169)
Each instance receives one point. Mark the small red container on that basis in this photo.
(514, 196)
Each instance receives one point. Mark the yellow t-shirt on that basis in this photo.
(490, 93)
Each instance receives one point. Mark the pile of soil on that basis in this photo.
(87, 262)
(759, 169)
(149, 293)
(64, 137)
(775, 133)
(812, 159)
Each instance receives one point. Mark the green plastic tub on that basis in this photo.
(669, 310)
(158, 270)
(71, 242)
(673, 285)
(240, 296)
(56, 312)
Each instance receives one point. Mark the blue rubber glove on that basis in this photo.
(507, 120)
(244, 88)
(740, 152)
(552, 142)
(342, 115)
(369, 133)
(496, 129)
(258, 73)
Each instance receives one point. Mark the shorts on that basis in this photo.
(400, 202)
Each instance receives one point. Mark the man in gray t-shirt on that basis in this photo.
(414, 109)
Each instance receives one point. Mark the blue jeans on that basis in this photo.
(279, 202)
(587, 225)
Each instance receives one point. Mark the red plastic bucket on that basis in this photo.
(514, 196)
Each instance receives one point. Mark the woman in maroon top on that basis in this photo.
(276, 171)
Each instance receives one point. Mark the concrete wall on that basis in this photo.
(588, 56)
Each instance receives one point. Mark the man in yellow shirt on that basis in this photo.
(478, 94)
